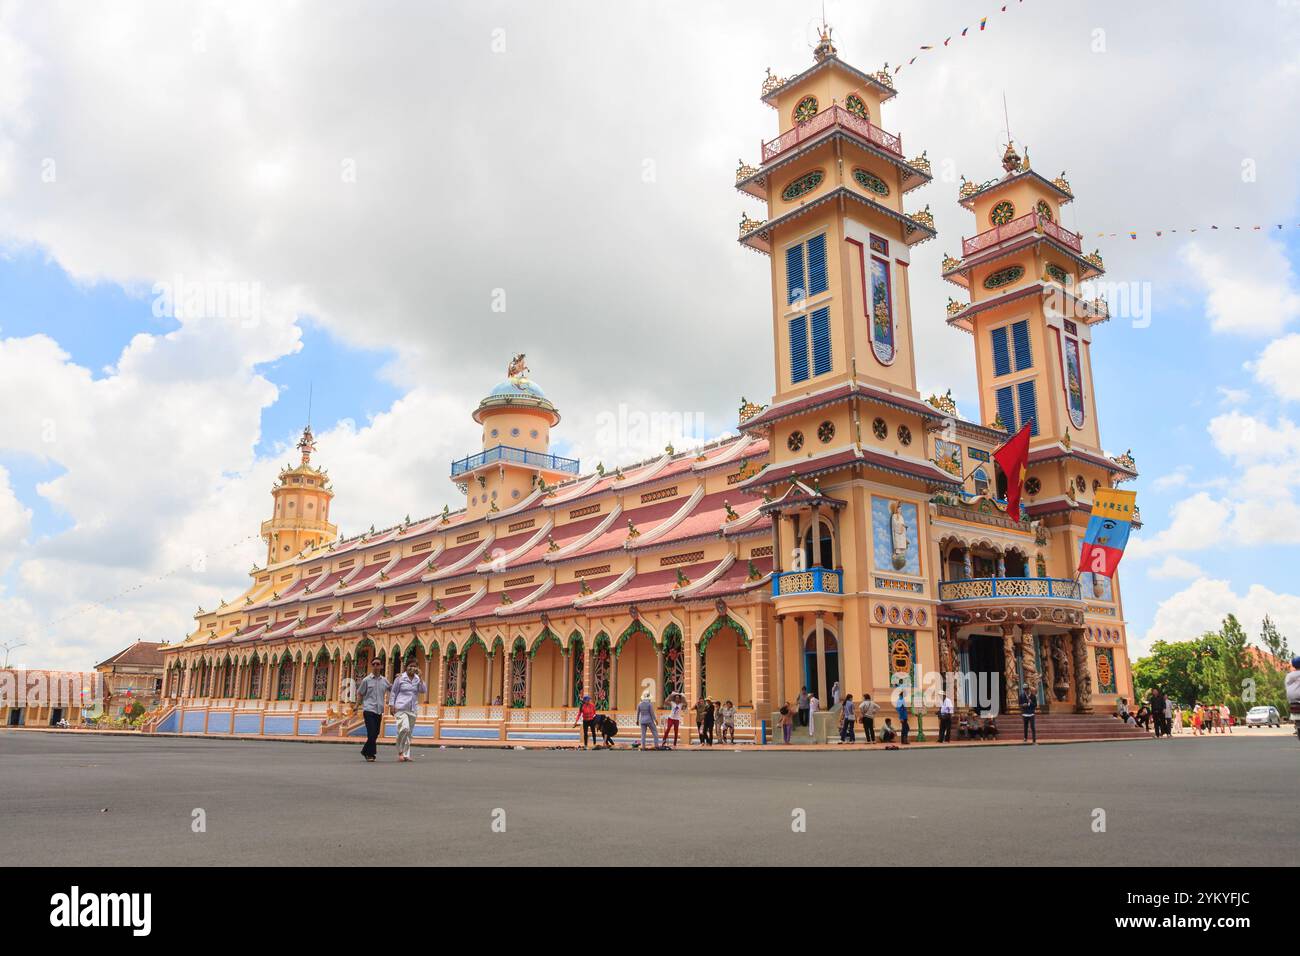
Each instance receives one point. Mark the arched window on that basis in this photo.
(981, 481)
(255, 679)
(821, 556)
(284, 689)
(320, 684)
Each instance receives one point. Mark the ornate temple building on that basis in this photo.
(851, 532)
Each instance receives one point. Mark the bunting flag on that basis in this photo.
(1159, 233)
(927, 47)
(1107, 533)
(1012, 458)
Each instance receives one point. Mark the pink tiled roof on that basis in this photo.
(646, 518)
(736, 579)
(652, 586)
(564, 535)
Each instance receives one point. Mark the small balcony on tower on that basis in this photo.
(508, 454)
(1028, 223)
(985, 581)
(834, 118)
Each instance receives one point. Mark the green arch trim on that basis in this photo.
(473, 639)
(723, 620)
(602, 640)
(546, 633)
(575, 640)
(636, 627)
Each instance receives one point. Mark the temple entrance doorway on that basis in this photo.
(985, 662)
(810, 666)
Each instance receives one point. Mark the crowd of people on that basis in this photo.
(1165, 717)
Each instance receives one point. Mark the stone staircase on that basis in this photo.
(1057, 726)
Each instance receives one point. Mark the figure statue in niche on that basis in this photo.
(898, 533)
(1002, 565)
(967, 567)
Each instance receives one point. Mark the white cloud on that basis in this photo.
(1203, 605)
(1233, 396)
(1174, 479)
(1175, 567)
(1194, 523)
(1248, 292)
(15, 522)
(1278, 367)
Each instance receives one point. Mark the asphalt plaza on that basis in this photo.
(94, 800)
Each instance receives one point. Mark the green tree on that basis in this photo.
(1272, 680)
(1177, 667)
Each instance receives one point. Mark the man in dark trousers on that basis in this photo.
(372, 693)
(1028, 706)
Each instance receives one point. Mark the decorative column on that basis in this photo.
(440, 689)
(1082, 674)
(1028, 663)
(528, 679)
(588, 661)
(566, 661)
(1009, 677)
(761, 678)
(823, 692)
(780, 659)
(506, 654)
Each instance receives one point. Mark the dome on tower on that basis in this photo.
(515, 392)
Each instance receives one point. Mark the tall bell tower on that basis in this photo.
(302, 497)
(834, 181)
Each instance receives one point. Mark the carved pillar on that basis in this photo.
(780, 660)
(440, 693)
(1082, 674)
(588, 661)
(1029, 664)
(760, 681)
(1009, 677)
(567, 683)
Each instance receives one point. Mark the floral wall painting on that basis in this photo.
(894, 535)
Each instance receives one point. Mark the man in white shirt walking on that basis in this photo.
(945, 720)
(405, 700)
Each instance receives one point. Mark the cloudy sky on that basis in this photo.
(401, 195)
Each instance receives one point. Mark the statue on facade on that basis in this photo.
(1061, 668)
(518, 368)
(1029, 664)
(898, 534)
(1083, 679)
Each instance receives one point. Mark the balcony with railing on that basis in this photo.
(809, 581)
(1008, 590)
(834, 117)
(508, 454)
(1030, 222)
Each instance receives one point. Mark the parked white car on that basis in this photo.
(1263, 716)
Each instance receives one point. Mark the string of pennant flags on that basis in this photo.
(1161, 233)
(929, 47)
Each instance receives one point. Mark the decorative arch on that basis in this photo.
(518, 664)
(473, 640)
(636, 627)
(498, 643)
(416, 644)
(546, 634)
(723, 620)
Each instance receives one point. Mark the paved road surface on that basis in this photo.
(101, 800)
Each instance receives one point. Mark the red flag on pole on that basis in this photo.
(1012, 458)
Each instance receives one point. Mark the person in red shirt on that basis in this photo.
(587, 714)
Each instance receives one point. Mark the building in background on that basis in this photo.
(42, 698)
(132, 675)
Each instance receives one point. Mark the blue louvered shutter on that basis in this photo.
(817, 282)
(821, 341)
(796, 288)
(799, 348)
(1001, 358)
(1007, 408)
(1020, 339)
(1028, 406)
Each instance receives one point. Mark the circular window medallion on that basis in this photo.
(1033, 486)
(494, 433)
(825, 432)
(514, 493)
(907, 615)
(1044, 210)
(805, 109)
(894, 614)
(996, 280)
(879, 613)
(904, 435)
(879, 428)
(533, 433)
(921, 617)
(1080, 483)
(1002, 213)
(871, 182)
(803, 185)
(853, 103)
(1096, 486)
(795, 441)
